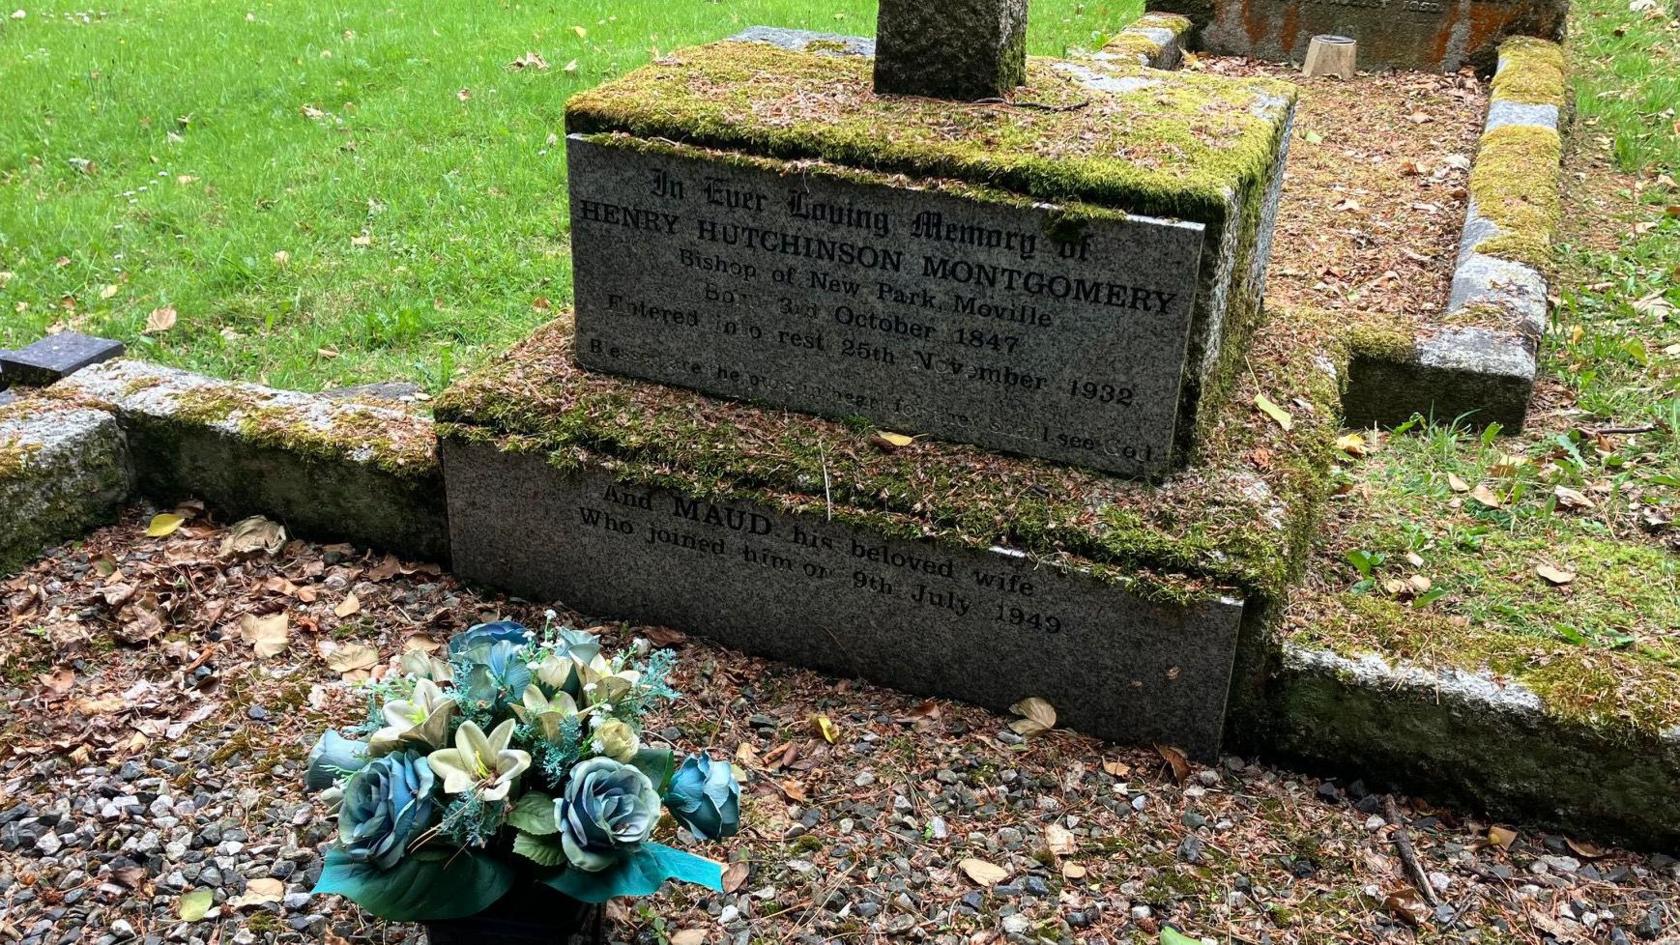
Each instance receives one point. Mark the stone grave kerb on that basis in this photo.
(964, 50)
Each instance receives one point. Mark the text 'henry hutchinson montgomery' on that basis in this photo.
(884, 259)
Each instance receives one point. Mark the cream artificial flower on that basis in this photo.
(479, 762)
(545, 713)
(617, 740)
(422, 720)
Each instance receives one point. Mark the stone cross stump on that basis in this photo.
(965, 50)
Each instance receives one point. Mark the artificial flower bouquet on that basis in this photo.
(518, 758)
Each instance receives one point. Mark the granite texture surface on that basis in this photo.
(997, 323)
(329, 469)
(1470, 738)
(990, 627)
(957, 49)
(63, 471)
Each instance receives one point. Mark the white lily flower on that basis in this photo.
(480, 763)
(422, 720)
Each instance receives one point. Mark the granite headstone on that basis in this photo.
(934, 617)
(990, 322)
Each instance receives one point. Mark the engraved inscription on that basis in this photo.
(1012, 326)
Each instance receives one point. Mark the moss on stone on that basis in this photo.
(348, 433)
(1531, 72)
(1514, 183)
(1613, 692)
(1177, 145)
(1133, 44)
(1239, 521)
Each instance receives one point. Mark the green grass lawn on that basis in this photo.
(325, 193)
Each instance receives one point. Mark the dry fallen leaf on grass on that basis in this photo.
(1457, 484)
(348, 657)
(195, 904)
(161, 319)
(259, 892)
(888, 442)
(1059, 840)
(1571, 499)
(825, 727)
(252, 536)
(1177, 761)
(1555, 575)
(1483, 495)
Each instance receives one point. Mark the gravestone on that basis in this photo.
(54, 358)
(923, 311)
(957, 49)
(1054, 259)
(1066, 295)
(1429, 35)
(990, 627)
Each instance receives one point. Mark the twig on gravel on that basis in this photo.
(1408, 854)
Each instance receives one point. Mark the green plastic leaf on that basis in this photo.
(657, 764)
(423, 887)
(534, 814)
(540, 850)
(641, 873)
(1172, 936)
(196, 904)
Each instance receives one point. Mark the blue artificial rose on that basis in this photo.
(502, 631)
(333, 758)
(607, 809)
(496, 672)
(705, 798)
(388, 803)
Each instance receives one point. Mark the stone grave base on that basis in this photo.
(989, 626)
(933, 567)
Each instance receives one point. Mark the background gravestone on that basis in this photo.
(1431, 35)
(957, 49)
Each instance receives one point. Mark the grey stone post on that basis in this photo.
(954, 49)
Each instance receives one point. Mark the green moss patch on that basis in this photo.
(388, 440)
(1238, 519)
(1173, 145)
(1455, 550)
(1531, 72)
(1514, 183)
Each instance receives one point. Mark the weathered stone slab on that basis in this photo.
(338, 470)
(1431, 35)
(957, 49)
(1104, 144)
(63, 470)
(996, 323)
(989, 627)
(53, 358)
